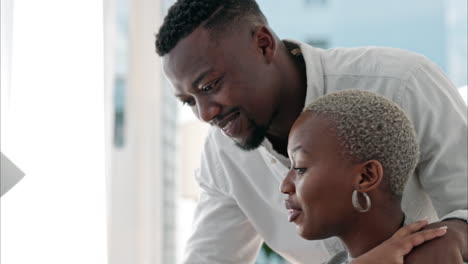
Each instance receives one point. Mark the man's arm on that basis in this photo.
(222, 233)
(440, 118)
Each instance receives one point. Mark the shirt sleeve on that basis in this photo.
(222, 233)
(440, 118)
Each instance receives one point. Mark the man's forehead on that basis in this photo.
(191, 57)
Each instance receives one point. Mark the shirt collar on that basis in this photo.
(314, 70)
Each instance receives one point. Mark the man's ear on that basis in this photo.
(265, 42)
(370, 176)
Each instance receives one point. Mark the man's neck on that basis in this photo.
(293, 96)
(280, 145)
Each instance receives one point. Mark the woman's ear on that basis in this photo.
(370, 176)
(265, 42)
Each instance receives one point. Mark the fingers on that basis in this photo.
(411, 228)
(420, 237)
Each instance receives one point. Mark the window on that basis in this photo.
(55, 134)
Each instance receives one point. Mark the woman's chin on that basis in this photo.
(309, 234)
(302, 232)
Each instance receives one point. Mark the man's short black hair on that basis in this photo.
(186, 15)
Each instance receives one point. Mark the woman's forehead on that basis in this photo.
(312, 123)
(310, 130)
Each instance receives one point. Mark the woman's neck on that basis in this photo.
(371, 229)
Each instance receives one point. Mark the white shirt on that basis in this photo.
(240, 203)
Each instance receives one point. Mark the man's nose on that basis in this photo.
(207, 110)
(287, 186)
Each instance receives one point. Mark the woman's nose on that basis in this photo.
(287, 185)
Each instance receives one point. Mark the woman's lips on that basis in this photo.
(293, 214)
(294, 211)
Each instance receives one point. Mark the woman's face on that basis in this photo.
(319, 184)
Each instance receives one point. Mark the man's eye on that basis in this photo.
(300, 171)
(189, 102)
(209, 87)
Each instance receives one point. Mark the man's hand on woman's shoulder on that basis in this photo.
(451, 248)
(394, 250)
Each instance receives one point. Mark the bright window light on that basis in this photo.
(55, 133)
(464, 93)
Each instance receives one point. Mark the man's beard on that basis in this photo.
(255, 139)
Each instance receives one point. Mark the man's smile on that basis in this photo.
(230, 123)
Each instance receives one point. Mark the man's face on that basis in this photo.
(319, 183)
(226, 82)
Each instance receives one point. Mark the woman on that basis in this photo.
(351, 153)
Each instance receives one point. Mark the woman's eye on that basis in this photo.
(300, 171)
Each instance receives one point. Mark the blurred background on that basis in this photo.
(107, 151)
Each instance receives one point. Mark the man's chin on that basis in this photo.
(252, 142)
(252, 138)
(246, 147)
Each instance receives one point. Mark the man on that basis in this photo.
(232, 70)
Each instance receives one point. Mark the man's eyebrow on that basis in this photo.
(197, 81)
(200, 77)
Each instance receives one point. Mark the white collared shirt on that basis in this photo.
(240, 203)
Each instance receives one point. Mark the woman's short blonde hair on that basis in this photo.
(371, 127)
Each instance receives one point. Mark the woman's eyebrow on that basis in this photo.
(299, 148)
